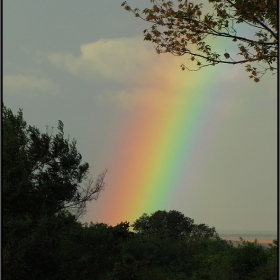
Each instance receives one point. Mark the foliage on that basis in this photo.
(270, 270)
(173, 224)
(42, 172)
(249, 256)
(43, 197)
(175, 27)
(220, 260)
(202, 232)
(61, 248)
(35, 252)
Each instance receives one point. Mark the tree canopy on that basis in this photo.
(45, 189)
(43, 174)
(185, 29)
(173, 224)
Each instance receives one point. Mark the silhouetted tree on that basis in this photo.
(173, 224)
(42, 172)
(45, 189)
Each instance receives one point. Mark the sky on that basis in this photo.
(203, 143)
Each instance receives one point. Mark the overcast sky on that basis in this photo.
(85, 63)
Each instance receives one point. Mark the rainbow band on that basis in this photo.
(156, 151)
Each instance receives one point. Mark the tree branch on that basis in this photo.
(258, 21)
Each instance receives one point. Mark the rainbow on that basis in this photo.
(156, 148)
(159, 143)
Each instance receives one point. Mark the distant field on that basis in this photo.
(265, 237)
(261, 240)
(250, 239)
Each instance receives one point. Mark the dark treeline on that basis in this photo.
(62, 248)
(44, 192)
